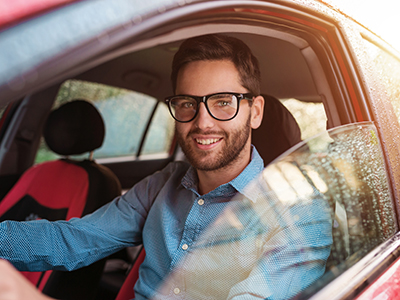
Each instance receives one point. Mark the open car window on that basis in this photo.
(136, 124)
(312, 213)
(310, 116)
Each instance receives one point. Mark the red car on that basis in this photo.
(323, 74)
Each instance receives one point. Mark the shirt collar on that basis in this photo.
(253, 169)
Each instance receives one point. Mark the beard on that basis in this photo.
(234, 143)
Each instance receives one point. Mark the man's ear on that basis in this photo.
(257, 112)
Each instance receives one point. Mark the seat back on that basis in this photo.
(33, 197)
(278, 131)
(126, 292)
(63, 189)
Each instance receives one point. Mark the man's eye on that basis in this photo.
(223, 103)
(187, 105)
(182, 104)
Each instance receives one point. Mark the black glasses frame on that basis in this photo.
(203, 99)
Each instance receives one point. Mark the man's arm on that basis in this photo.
(68, 245)
(13, 286)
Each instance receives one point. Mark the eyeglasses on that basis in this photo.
(221, 106)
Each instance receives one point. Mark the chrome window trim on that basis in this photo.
(354, 280)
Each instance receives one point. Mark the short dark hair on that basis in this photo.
(220, 47)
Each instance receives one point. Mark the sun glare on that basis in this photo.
(379, 16)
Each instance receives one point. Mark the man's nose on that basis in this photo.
(204, 120)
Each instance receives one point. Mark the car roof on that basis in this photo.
(17, 11)
(73, 39)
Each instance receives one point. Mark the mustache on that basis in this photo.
(202, 132)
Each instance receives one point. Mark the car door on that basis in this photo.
(313, 214)
(308, 51)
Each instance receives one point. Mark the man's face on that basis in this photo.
(210, 144)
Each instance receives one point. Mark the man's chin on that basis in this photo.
(204, 161)
(207, 167)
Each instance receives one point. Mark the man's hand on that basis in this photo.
(13, 286)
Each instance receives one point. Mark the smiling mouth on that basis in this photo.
(206, 141)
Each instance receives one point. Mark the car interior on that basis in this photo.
(296, 78)
(289, 65)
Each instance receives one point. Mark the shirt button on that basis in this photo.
(177, 291)
(185, 246)
(200, 202)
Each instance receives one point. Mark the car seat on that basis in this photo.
(63, 189)
(126, 292)
(278, 131)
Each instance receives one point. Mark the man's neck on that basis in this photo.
(210, 180)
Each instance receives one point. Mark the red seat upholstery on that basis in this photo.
(63, 189)
(126, 292)
(47, 188)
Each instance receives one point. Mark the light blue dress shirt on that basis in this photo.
(166, 214)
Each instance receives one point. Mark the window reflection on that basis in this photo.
(311, 210)
(388, 68)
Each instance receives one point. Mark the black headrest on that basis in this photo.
(278, 131)
(74, 128)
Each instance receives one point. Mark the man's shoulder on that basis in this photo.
(168, 177)
(174, 170)
(176, 167)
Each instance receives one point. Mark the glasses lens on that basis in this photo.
(223, 106)
(183, 108)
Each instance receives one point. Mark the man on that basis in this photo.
(216, 82)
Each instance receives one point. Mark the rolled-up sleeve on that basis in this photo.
(68, 245)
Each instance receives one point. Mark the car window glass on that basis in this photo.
(310, 116)
(388, 68)
(321, 206)
(164, 127)
(126, 115)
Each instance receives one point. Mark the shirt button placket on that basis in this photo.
(200, 202)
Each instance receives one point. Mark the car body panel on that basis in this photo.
(17, 11)
(386, 286)
(329, 50)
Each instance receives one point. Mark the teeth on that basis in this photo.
(207, 141)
